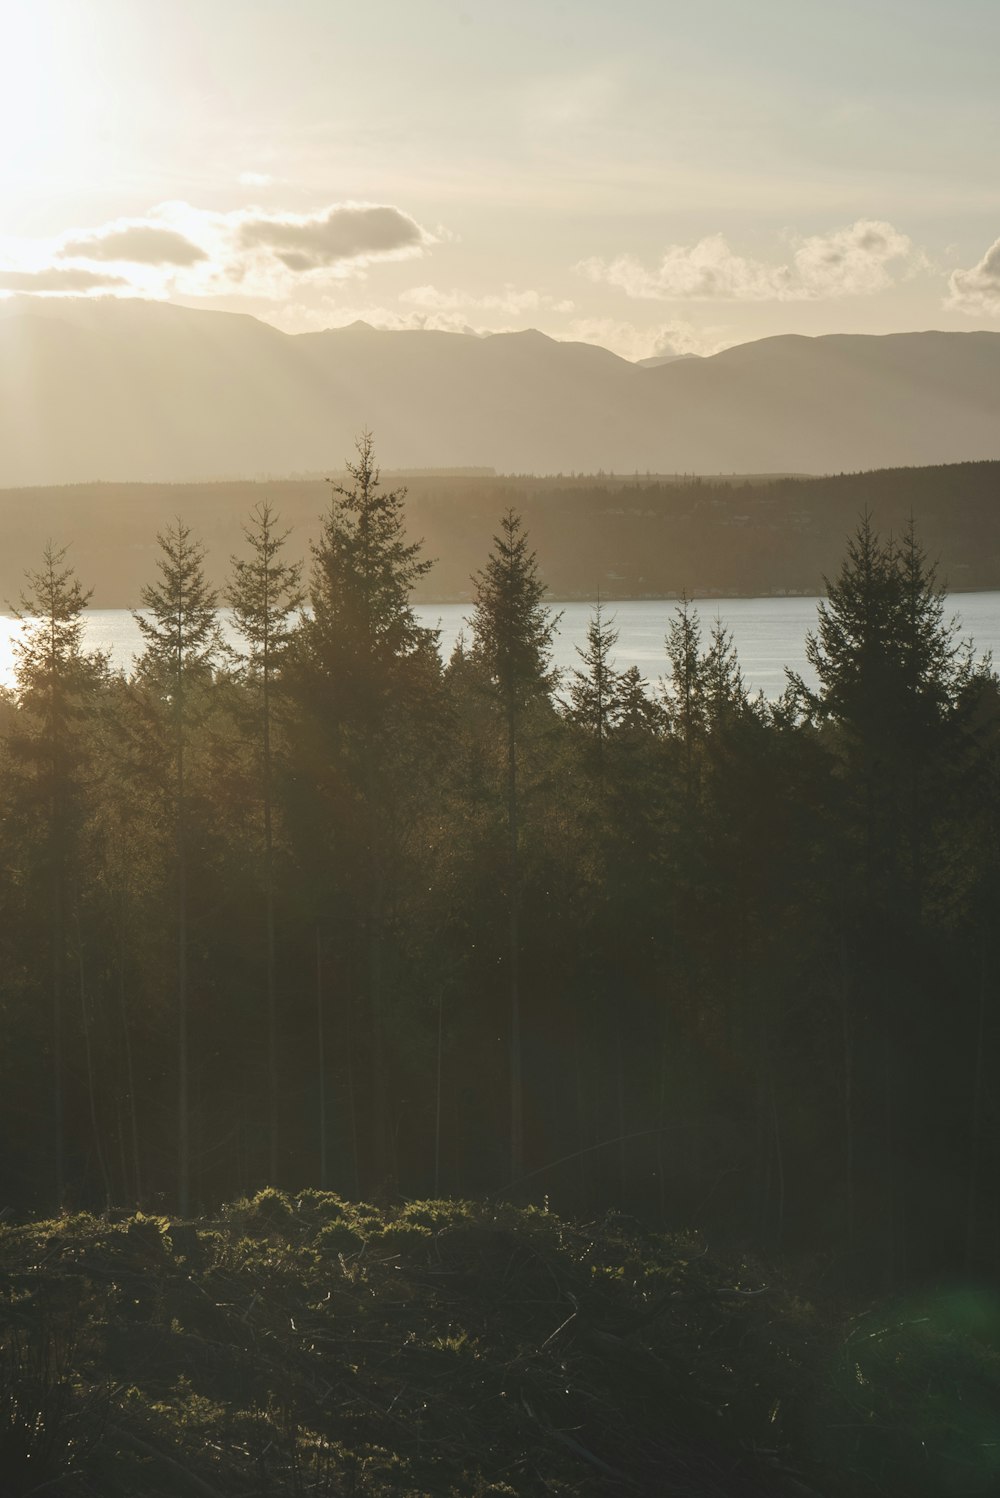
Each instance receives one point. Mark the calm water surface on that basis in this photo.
(769, 633)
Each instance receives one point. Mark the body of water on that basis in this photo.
(769, 633)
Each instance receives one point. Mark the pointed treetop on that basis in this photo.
(364, 569)
(593, 691)
(883, 649)
(265, 593)
(51, 612)
(178, 618)
(512, 628)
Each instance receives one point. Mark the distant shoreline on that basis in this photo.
(579, 598)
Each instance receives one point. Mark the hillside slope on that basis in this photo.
(823, 405)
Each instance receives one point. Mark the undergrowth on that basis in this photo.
(305, 1345)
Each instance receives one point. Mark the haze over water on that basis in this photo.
(769, 633)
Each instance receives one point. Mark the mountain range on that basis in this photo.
(124, 390)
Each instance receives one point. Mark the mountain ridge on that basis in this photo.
(130, 391)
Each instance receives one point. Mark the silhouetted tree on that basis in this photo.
(594, 691)
(52, 674)
(684, 696)
(723, 688)
(180, 627)
(512, 644)
(636, 712)
(365, 672)
(888, 704)
(265, 596)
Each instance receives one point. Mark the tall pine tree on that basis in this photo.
(179, 624)
(48, 749)
(365, 674)
(512, 644)
(265, 596)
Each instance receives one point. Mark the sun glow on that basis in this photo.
(47, 93)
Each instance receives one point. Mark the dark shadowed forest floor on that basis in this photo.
(305, 1345)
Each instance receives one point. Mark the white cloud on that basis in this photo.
(977, 290)
(434, 314)
(675, 337)
(423, 308)
(343, 233)
(853, 261)
(57, 280)
(295, 315)
(623, 338)
(254, 179)
(136, 243)
(705, 271)
(850, 262)
(178, 249)
(510, 301)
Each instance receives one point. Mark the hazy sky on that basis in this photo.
(646, 174)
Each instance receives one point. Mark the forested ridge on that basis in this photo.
(634, 535)
(329, 913)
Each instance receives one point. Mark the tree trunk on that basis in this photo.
(620, 1100)
(89, 1059)
(661, 1117)
(972, 1210)
(848, 1125)
(58, 1126)
(437, 1097)
(779, 1153)
(382, 1163)
(581, 1109)
(272, 1018)
(889, 1155)
(183, 1103)
(129, 1067)
(321, 1061)
(514, 953)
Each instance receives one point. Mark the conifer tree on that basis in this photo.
(891, 675)
(635, 711)
(362, 624)
(593, 692)
(853, 649)
(513, 633)
(891, 680)
(265, 596)
(365, 673)
(51, 672)
(724, 689)
(180, 626)
(685, 696)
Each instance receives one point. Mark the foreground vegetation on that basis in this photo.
(305, 1345)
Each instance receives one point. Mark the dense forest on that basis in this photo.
(330, 912)
(635, 535)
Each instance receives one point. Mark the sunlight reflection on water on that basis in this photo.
(769, 633)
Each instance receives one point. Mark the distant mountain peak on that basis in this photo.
(655, 360)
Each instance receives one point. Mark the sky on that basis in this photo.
(653, 176)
